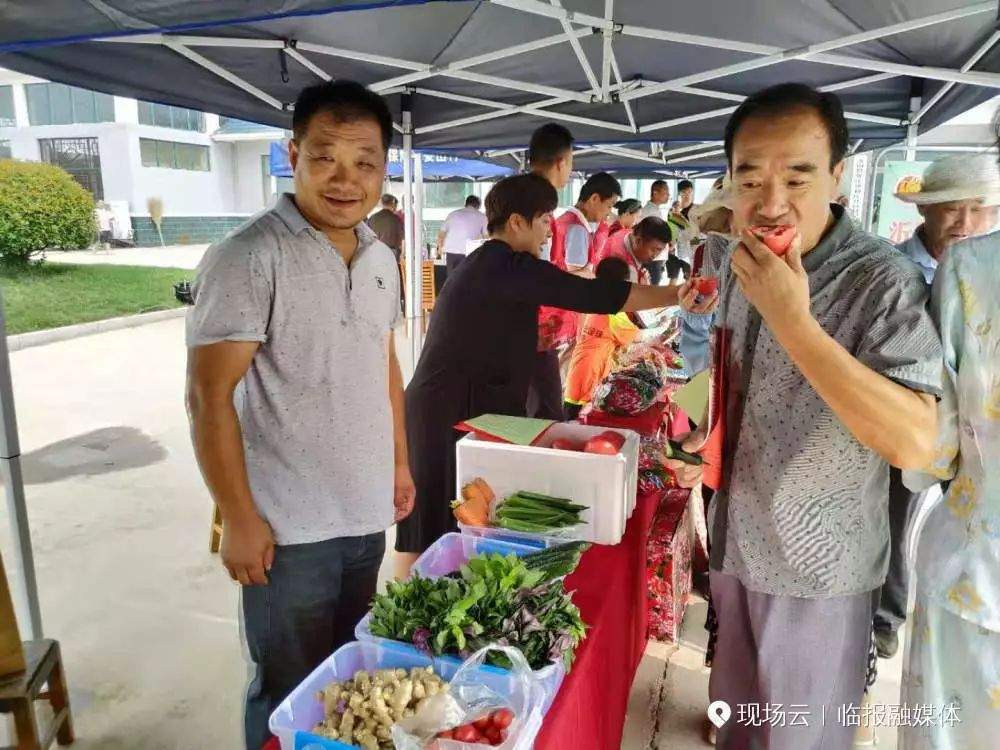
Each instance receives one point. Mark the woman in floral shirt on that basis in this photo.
(954, 664)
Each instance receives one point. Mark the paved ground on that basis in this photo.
(146, 615)
(171, 256)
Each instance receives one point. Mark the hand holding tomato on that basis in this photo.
(692, 300)
(777, 286)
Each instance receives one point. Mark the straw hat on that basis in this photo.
(719, 198)
(954, 178)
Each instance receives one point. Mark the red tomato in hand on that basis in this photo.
(467, 733)
(565, 444)
(776, 238)
(446, 734)
(503, 718)
(706, 285)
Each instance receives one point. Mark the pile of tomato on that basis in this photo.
(488, 730)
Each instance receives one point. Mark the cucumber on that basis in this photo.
(676, 452)
(543, 498)
(526, 526)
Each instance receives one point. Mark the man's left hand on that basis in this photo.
(404, 493)
(777, 286)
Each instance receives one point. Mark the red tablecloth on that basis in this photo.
(609, 587)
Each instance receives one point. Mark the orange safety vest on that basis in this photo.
(600, 336)
(557, 327)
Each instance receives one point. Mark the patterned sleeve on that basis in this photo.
(900, 340)
(232, 294)
(948, 302)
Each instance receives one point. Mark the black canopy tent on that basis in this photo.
(641, 83)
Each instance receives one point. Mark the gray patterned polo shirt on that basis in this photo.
(314, 405)
(803, 509)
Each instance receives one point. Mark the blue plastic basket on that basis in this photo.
(292, 721)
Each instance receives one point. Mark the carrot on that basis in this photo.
(469, 513)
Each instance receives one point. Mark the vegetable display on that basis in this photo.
(777, 238)
(557, 561)
(496, 599)
(535, 513)
(361, 710)
(488, 730)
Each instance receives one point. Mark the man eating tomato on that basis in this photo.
(832, 370)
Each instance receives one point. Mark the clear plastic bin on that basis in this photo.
(452, 551)
(537, 541)
(550, 677)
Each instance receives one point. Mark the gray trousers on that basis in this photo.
(793, 662)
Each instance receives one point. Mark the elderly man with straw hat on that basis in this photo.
(957, 200)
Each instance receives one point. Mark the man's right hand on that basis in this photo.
(247, 549)
(688, 475)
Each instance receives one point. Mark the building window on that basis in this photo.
(166, 116)
(81, 157)
(7, 119)
(59, 104)
(171, 155)
(5, 152)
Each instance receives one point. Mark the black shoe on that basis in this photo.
(886, 643)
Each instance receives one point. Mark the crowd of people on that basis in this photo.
(848, 389)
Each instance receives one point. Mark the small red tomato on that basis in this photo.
(776, 238)
(706, 285)
(483, 724)
(503, 718)
(565, 444)
(615, 437)
(466, 733)
(494, 735)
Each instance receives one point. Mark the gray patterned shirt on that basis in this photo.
(314, 405)
(803, 510)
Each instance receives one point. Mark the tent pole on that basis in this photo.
(10, 469)
(913, 127)
(412, 280)
(418, 206)
(986, 47)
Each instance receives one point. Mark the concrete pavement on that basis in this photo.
(171, 256)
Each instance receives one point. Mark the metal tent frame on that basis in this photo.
(607, 108)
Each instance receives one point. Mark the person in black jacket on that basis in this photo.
(481, 343)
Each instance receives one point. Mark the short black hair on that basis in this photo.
(612, 269)
(528, 195)
(657, 184)
(685, 185)
(628, 206)
(653, 228)
(347, 101)
(601, 184)
(473, 202)
(786, 96)
(389, 200)
(549, 143)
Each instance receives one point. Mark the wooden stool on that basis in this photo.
(428, 294)
(18, 694)
(215, 537)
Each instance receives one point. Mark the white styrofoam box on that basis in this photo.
(606, 484)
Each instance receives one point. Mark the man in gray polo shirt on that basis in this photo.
(296, 398)
(833, 370)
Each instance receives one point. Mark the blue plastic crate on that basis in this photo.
(452, 551)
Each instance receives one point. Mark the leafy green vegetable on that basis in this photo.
(497, 599)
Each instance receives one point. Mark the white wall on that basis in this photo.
(248, 178)
(184, 192)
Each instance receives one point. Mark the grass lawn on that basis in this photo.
(56, 294)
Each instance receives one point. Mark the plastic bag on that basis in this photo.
(476, 690)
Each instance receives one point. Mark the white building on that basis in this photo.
(211, 173)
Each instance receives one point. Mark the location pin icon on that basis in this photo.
(719, 713)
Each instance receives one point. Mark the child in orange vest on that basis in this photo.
(598, 338)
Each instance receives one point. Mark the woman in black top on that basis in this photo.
(481, 343)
